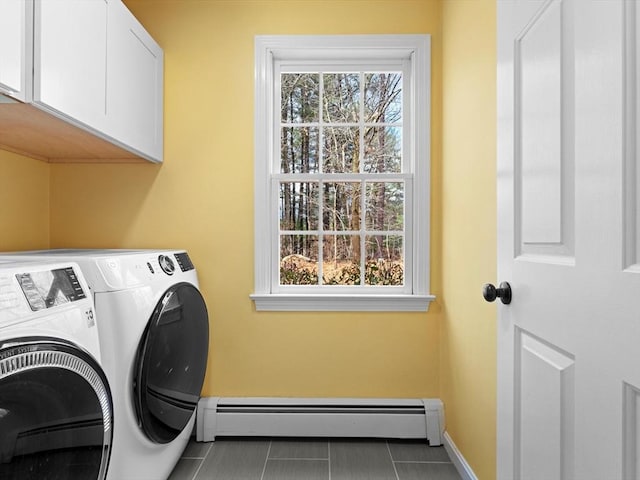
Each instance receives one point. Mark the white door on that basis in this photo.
(569, 239)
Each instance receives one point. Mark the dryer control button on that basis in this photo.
(166, 264)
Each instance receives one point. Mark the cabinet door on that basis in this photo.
(16, 39)
(134, 84)
(70, 59)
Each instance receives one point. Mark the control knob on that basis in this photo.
(166, 264)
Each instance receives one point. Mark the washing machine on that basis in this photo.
(154, 335)
(56, 411)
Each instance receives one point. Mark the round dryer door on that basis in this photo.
(171, 363)
(55, 412)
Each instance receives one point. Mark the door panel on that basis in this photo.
(631, 422)
(632, 133)
(540, 58)
(544, 420)
(543, 121)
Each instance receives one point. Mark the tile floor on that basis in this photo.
(313, 459)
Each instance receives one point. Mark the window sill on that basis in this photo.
(342, 303)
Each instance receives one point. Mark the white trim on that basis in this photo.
(263, 143)
(434, 417)
(463, 468)
(205, 421)
(319, 417)
(420, 125)
(331, 47)
(343, 303)
(285, 49)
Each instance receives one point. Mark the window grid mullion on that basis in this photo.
(361, 124)
(343, 124)
(361, 170)
(275, 191)
(276, 166)
(320, 231)
(321, 123)
(362, 231)
(343, 177)
(342, 232)
(321, 182)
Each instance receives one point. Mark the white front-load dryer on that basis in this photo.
(154, 336)
(55, 403)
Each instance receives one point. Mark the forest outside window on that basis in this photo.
(342, 173)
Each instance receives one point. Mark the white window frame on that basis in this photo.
(273, 51)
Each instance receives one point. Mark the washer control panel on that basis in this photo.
(57, 290)
(50, 288)
(138, 268)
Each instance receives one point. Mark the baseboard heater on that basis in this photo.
(320, 417)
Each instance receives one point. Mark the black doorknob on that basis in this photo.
(490, 293)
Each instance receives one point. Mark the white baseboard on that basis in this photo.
(320, 417)
(458, 460)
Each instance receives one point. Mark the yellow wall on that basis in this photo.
(201, 199)
(24, 202)
(468, 348)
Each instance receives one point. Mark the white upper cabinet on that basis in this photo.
(89, 64)
(70, 59)
(15, 42)
(134, 83)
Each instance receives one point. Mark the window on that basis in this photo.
(342, 173)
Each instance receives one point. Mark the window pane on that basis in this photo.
(298, 206)
(298, 260)
(299, 150)
(341, 260)
(384, 262)
(300, 93)
(382, 149)
(384, 203)
(341, 150)
(341, 97)
(383, 97)
(341, 206)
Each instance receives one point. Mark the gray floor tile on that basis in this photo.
(185, 469)
(237, 459)
(296, 470)
(299, 448)
(422, 471)
(361, 460)
(196, 449)
(416, 451)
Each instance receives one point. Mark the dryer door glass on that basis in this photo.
(171, 363)
(55, 413)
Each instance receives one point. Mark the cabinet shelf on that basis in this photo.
(29, 131)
